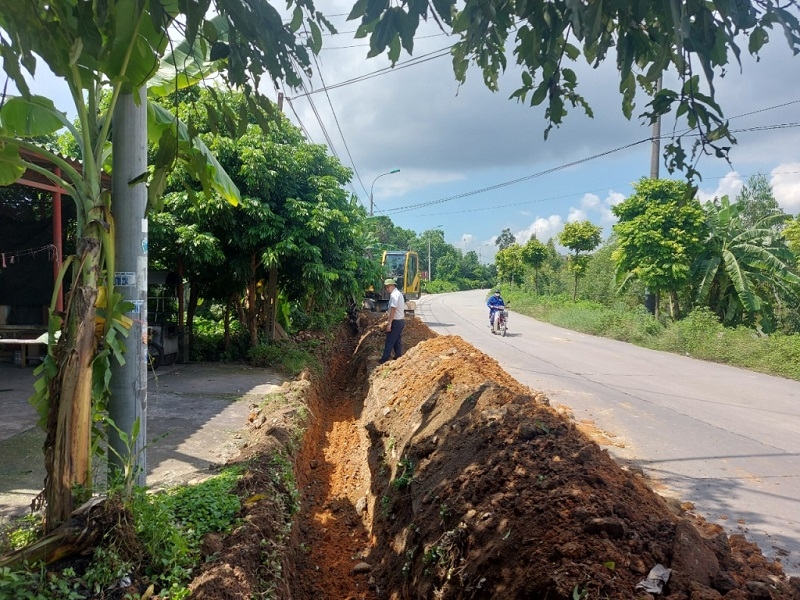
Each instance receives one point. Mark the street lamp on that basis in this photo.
(373, 185)
(430, 269)
(479, 251)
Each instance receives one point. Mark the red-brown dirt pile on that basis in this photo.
(480, 490)
(439, 476)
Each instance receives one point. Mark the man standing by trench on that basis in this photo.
(394, 328)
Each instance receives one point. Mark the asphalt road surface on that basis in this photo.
(726, 439)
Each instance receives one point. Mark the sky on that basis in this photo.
(449, 140)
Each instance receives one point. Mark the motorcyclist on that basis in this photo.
(494, 303)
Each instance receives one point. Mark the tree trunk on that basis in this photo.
(251, 303)
(191, 309)
(68, 443)
(575, 289)
(272, 304)
(227, 325)
(675, 310)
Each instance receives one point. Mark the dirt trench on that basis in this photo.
(439, 476)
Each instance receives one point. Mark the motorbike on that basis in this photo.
(500, 322)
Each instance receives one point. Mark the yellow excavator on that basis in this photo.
(403, 267)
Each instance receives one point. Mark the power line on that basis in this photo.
(593, 157)
(338, 126)
(519, 179)
(410, 63)
(572, 195)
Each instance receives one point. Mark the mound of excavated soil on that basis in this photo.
(439, 476)
(478, 489)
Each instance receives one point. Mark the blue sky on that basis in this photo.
(451, 140)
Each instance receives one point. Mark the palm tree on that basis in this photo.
(742, 269)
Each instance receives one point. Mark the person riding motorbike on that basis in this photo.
(494, 303)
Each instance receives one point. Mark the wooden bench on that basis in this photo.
(25, 347)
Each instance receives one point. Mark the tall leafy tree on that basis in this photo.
(756, 201)
(581, 237)
(697, 40)
(505, 240)
(534, 254)
(509, 263)
(743, 269)
(660, 232)
(294, 217)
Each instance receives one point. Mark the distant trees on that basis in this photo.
(534, 253)
(510, 264)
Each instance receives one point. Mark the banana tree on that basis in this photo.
(102, 49)
(741, 267)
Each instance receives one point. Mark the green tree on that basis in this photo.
(792, 235)
(534, 254)
(509, 263)
(389, 236)
(660, 232)
(742, 268)
(756, 201)
(505, 240)
(294, 218)
(580, 237)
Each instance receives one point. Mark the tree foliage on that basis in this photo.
(698, 40)
(505, 240)
(741, 267)
(756, 201)
(580, 237)
(510, 264)
(660, 232)
(294, 217)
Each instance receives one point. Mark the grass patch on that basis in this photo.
(699, 334)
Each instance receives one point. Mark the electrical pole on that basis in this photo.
(430, 272)
(128, 402)
(655, 150)
(650, 299)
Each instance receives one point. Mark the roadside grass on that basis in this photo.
(699, 334)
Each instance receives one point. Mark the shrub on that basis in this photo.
(285, 355)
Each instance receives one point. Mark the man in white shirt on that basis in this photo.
(394, 327)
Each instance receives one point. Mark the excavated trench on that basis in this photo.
(439, 476)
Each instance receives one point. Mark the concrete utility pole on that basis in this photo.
(655, 150)
(129, 381)
(650, 299)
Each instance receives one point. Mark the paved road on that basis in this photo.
(726, 439)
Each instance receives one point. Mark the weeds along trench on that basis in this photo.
(439, 476)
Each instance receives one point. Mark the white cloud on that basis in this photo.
(542, 228)
(590, 201)
(576, 214)
(785, 183)
(614, 198)
(466, 242)
(730, 186)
